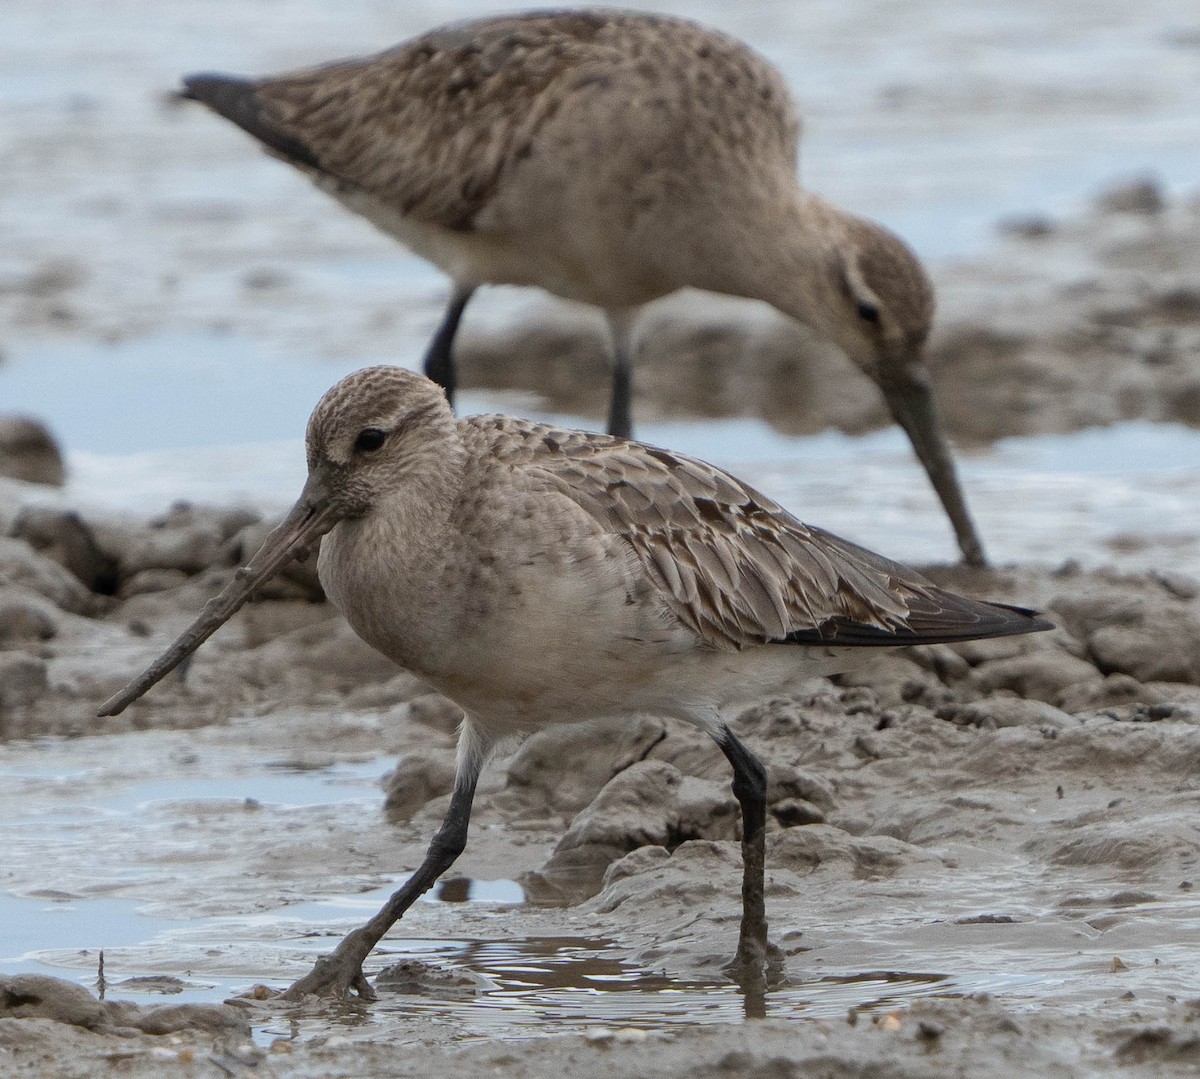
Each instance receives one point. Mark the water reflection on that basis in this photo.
(558, 982)
(471, 890)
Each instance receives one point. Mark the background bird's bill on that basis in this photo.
(910, 399)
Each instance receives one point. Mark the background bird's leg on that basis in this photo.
(750, 788)
(439, 357)
(339, 973)
(620, 408)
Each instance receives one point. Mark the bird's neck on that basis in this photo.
(793, 266)
(383, 570)
(804, 280)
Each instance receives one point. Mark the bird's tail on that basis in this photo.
(240, 101)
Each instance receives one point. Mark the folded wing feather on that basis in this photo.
(734, 566)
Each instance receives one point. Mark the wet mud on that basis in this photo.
(981, 860)
(973, 851)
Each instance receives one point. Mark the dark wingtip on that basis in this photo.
(952, 619)
(224, 94)
(238, 100)
(1028, 620)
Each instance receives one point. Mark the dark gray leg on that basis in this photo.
(750, 789)
(439, 357)
(337, 974)
(620, 410)
(620, 422)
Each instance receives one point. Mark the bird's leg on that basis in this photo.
(340, 973)
(620, 422)
(750, 788)
(439, 357)
(620, 409)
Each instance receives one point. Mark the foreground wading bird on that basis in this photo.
(537, 576)
(611, 158)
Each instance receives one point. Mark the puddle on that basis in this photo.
(475, 987)
(84, 794)
(53, 929)
(520, 988)
(579, 981)
(70, 924)
(464, 889)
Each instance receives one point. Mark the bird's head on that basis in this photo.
(377, 434)
(880, 312)
(381, 432)
(884, 302)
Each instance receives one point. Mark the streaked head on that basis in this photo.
(888, 299)
(378, 433)
(373, 434)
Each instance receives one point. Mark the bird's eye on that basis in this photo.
(370, 439)
(867, 311)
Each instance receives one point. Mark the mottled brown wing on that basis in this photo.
(455, 103)
(735, 567)
(430, 126)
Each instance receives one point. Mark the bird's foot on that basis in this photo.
(757, 963)
(336, 976)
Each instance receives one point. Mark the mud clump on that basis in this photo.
(35, 996)
(648, 804)
(29, 452)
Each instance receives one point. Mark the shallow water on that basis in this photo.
(570, 981)
(514, 988)
(549, 985)
(203, 862)
(116, 852)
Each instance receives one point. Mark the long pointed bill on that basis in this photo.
(307, 521)
(911, 403)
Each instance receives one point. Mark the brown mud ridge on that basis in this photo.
(1033, 798)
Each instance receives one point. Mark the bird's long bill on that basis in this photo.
(911, 402)
(307, 521)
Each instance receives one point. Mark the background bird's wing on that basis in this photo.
(431, 126)
(460, 102)
(734, 566)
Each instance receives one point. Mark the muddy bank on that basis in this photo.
(978, 1037)
(1011, 819)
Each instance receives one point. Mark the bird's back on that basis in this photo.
(520, 125)
(734, 567)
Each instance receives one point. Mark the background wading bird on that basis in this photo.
(538, 576)
(611, 158)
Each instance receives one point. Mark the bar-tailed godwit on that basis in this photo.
(612, 158)
(539, 576)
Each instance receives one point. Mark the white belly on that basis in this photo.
(581, 260)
